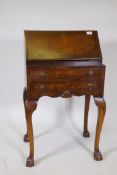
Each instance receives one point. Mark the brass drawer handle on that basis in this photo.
(90, 86)
(42, 87)
(42, 74)
(91, 72)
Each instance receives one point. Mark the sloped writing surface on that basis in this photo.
(62, 45)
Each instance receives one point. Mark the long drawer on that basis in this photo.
(38, 74)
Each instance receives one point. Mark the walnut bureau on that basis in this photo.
(63, 64)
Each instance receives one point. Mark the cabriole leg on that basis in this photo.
(30, 106)
(87, 104)
(26, 138)
(101, 104)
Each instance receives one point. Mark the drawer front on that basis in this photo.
(65, 82)
(62, 89)
(37, 74)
